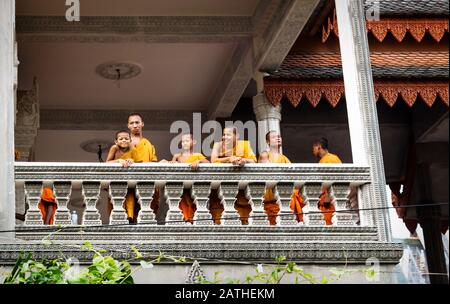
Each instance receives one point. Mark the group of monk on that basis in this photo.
(130, 147)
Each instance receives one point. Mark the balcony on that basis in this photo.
(343, 242)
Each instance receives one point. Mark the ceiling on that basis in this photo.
(173, 76)
(140, 7)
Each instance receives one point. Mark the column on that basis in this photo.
(267, 115)
(7, 187)
(361, 107)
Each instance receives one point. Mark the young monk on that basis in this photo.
(120, 152)
(274, 155)
(320, 150)
(194, 159)
(237, 152)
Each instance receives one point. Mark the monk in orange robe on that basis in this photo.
(320, 150)
(141, 150)
(274, 155)
(187, 156)
(237, 152)
(47, 205)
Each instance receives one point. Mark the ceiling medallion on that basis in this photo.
(116, 70)
(94, 145)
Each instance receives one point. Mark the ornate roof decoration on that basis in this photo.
(398, 27)
(333, 91)
(384, 65)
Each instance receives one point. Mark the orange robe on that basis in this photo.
(186, 205)
(47, 198)
(325, 204)
(241, 149)
(143, 152)
(270, 203)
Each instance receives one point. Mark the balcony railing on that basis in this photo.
(171, 180)
(96, 184)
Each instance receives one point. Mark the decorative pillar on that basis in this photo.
(145, 192)
(174, 216)
(201, 192)
(361, 108)
(91, 194)
(27, 121)
(267, 115)
(7, 69)
(118, 192)
(62, 192)
(256, 193)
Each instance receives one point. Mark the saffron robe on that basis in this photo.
(241, 149)
(186, 205)
(325, 204)
(143, 152)
(47, 197)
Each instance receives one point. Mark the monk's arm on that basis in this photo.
(264, 157)
(111, 154)
(215, 155)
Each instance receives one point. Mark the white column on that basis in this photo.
(361, 106)
(7, 187)
(267, 116)
(353, 93)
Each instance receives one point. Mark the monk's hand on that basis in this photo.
(163, 161)
(123, 162)
(242, 162)
(194, 165)
(129, 161)
(235, 160)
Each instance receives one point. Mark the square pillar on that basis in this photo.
(7, 113)
(361, 108)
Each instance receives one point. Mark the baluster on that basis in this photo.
(118, 192)
(145, 191)
(228, 192)
(284, 192)
(174, 216)
(339, 193)
(256, 193)
(62, 193)
(33, 192)
(312, 216)
(91, 194)
(201, 192)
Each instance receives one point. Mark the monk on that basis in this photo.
(142, 151)
(120, 152)
(237, 152)
(187, 156)
(47, 205)
(320, 150)
(274, 155)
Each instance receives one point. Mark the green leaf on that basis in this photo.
(136, 252)
(280, 259)
(87, 245)
(324, 280)
(146, 265)
(46, 242)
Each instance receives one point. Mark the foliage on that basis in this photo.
(278, 272)
(102, 269)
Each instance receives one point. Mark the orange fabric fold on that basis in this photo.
(47, 198)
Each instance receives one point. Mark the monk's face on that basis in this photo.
(135, 124)
(275, 139)
(228, 137)
(123, 140)
(186, 142)
(316, 150)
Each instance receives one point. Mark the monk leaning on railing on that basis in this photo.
(320, 150)
(187, 156)
(237, 152)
